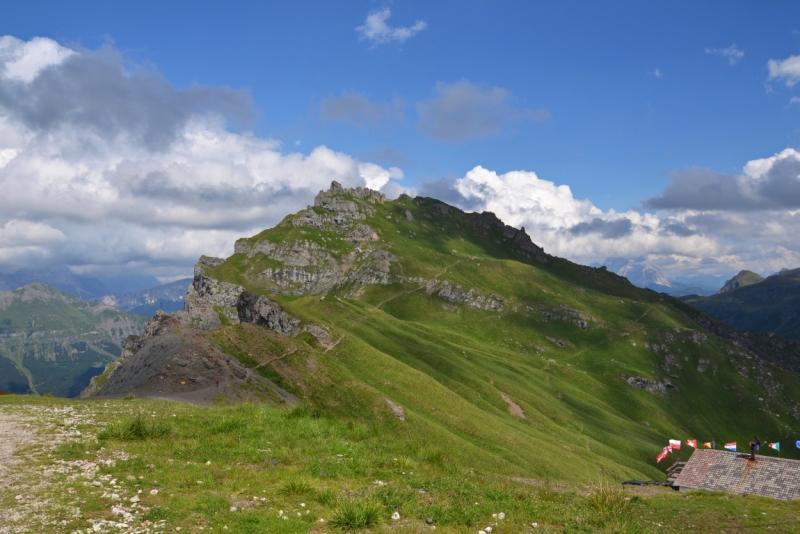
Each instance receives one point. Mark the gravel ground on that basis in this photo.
(41, 493)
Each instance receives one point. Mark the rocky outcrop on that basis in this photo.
(470, 297)
(520, 238)
(647, 384)
(208, 297)
(173, 361)
(570, 315)
(259, 310)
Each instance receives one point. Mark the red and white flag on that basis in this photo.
(675, 444)
(692, 443)
(663, 454)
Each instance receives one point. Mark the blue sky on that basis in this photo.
(629, 104)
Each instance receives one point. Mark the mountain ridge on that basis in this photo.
(461, 323)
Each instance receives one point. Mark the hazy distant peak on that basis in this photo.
(643, 275)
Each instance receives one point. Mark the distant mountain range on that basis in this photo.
(133, 293)
(648, 276)
(756, 304)
(52, 342)
(167, 297)
(83, 287)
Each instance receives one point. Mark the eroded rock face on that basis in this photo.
(208, 297)
(470, 297)
(652, 386)
(174, 361)
(259, 310)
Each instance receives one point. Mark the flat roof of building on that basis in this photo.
(778, 478)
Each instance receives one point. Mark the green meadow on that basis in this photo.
(259, 468)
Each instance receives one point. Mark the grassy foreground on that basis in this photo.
(257, 468)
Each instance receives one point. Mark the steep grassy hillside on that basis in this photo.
(769, 305)
(52, 342)
(530, 364)
(744, 278)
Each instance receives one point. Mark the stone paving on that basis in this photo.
(769, 476)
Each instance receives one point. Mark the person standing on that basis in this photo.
(754, 447)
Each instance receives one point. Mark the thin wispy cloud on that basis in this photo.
(464, 110)
(658, 74)
(378, 32)
(733, 54)
(359, 110)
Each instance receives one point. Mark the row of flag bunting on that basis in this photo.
(675, 445)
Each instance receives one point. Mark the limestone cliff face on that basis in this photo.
(208, 297)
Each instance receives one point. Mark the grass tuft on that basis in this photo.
(297, 487)
(325, 497)
(138, 428)
(609, 502)
(304, 411)
(353, 514)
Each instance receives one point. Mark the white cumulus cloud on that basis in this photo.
(148, 174)
(684, 236)
(787, 69)
(23, 61)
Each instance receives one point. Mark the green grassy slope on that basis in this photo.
(452, 366)
(256, 468)
(743, 278)
(771, 305)
(52, 342)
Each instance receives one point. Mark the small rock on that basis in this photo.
(19, 497)
(396, 516)
(177, 529)
(153, 492)
(501, 515)
(233, 508)
(429, 521)
(135, 498)
(96, 483)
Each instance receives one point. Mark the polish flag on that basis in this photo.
(675, 444)
(692, 443)
(731, 446)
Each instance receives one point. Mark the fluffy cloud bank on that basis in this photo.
(103, 166)
(704, 223)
